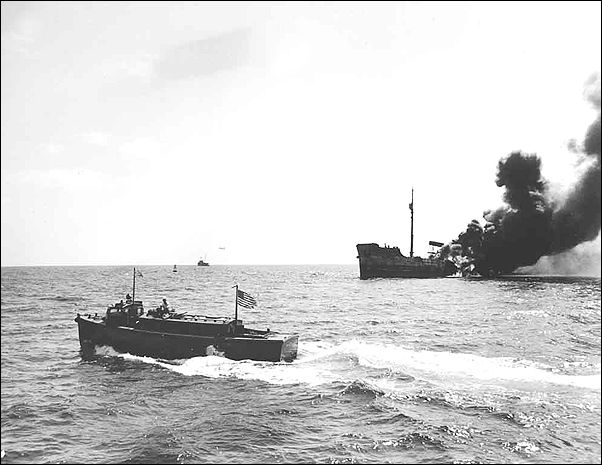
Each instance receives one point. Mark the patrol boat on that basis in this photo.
(166, 334)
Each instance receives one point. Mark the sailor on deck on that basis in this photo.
(164, 308)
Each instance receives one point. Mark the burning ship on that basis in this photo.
(534, 221)
(389, 262)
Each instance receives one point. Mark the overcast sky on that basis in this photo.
(265, 133)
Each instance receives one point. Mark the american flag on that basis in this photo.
(245, 300)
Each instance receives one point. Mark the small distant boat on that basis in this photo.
(166, 334)
(175, 269)
(202, 262)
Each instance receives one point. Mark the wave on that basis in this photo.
(18, 411)
(60, 298)
(362, 388)
(411, 440)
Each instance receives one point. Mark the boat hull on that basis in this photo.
(388, 262)
(273, 348)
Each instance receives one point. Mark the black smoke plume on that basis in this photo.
(530, 225)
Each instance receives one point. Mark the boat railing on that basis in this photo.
(96, 316)
(185, 316)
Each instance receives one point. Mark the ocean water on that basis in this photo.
(449, 370)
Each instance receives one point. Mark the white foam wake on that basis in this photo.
(321, 363)
(442, 365)
(220, 367)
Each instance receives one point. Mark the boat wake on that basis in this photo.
(385, 364)
(444, 367)
(219, 367)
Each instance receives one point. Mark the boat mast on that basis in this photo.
(412, 225)
(134, 286)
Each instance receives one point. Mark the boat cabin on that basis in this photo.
(132, 314)
(192, 325)
(122, 314)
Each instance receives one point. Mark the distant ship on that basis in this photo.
(388, 262)
(202, 263)
(175, 269)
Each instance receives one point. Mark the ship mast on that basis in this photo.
(412, 225)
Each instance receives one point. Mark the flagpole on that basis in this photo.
(412, 225)
(134, 286)
(236, 304)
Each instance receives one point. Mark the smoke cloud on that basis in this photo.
(583, 260)
(530, 224)
(578, 219)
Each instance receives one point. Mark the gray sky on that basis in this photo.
(266, 133)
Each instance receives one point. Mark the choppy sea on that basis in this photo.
(450, 370)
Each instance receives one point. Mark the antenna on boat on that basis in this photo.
(412, 225)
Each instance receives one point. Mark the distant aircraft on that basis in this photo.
(222, 248)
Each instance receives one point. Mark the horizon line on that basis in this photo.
(185, 264)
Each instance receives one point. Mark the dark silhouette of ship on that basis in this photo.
(389, 262)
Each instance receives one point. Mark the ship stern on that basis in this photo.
(288, 351)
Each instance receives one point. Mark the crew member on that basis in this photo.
(164, 308)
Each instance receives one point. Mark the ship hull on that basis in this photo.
(94, 332)
(388, 262)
